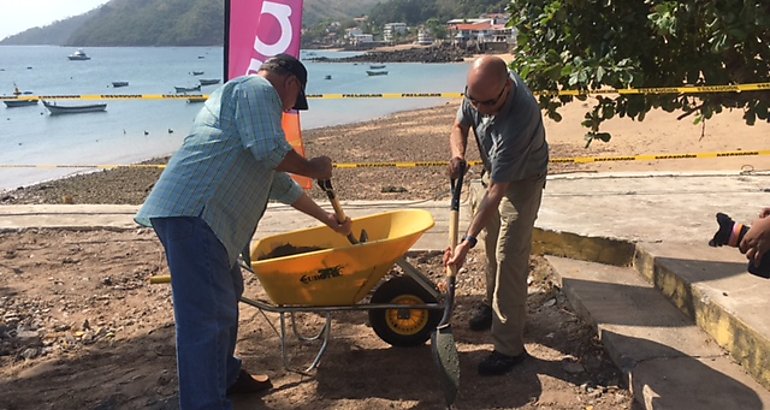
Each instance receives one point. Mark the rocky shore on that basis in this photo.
(444, 53)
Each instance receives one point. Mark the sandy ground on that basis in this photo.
(80, 327)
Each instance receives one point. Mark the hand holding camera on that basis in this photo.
(754, 245)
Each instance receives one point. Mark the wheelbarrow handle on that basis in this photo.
(326, 186)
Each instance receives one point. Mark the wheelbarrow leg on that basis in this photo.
(325, 332)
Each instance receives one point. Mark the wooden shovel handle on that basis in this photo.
(326, 185)
(454, 216)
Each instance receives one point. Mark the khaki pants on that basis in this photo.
(508, 243)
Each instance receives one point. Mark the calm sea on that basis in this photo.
(132, 131)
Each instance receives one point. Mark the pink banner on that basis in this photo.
(260, 29)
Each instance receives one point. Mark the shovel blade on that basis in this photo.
(448, 362)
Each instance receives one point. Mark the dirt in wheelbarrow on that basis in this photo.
(81, 328)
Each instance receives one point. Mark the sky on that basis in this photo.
(19, 15)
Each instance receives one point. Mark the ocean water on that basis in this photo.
(136, 130)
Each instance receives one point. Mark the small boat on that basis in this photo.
(187, 89)
(73, 109)
(377, 67)
(197, 73)
(20, 103)
(117, 84)
(373, 73)
(209, 81)
(24, 102)
(78, 55)
(328, 77)
(196, 99)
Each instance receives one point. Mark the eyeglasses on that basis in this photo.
(489, 103)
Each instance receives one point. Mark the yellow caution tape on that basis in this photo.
(341, 96)
(420, 164)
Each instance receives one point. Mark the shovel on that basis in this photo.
(326, 186)
(442, 341)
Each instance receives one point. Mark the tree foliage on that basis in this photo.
(591, 44)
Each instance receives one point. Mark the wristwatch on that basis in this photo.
(471, 240)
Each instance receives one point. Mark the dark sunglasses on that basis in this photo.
(489, 103)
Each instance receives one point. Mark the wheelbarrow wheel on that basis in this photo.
(403, 327)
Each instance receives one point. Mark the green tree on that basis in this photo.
(590, 44)
(437, 29)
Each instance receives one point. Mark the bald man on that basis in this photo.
(508, 128)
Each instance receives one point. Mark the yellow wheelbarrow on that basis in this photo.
(403, 310)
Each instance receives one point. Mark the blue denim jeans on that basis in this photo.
(206, 290)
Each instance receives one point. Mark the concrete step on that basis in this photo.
(669, 361)
(712, 287)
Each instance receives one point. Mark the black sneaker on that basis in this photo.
(250, 384)
(497, 363)
(482, 319)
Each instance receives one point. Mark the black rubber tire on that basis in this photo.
(415, 326)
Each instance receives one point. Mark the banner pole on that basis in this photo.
(226, 48)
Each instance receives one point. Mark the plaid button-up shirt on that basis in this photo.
(225, 170)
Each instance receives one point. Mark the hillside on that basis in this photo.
(163, 23)
(51, 34)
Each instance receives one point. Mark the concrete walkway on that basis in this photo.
(631, 251)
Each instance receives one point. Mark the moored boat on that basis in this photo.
(197, 73)
(187, 89)
(377, 67)
(209, 81)
(73, 109)
(79, 55)
(20, 103)
(118, 84)
(373, 73)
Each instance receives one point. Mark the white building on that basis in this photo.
(359, 39)
(391, 30)
(424, 37)
(480, 33)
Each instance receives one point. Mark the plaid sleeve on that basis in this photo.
(258, 118)
(284, 189)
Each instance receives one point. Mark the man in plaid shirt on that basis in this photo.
(205, 209)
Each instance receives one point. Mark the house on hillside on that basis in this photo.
(392, 30)
(484, 34)
(424, 37)
(496, 18)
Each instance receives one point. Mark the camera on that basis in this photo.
(731, 233)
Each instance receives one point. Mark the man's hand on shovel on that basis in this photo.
(326, 185)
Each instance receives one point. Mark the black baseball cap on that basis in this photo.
(288, 64)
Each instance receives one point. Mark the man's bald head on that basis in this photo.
(487, 72)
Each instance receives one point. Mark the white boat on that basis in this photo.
(373, 73)
(73, 109)
(79, 55)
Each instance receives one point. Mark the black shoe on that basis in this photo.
(250, 384)
(497, 363)
(482, 319)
